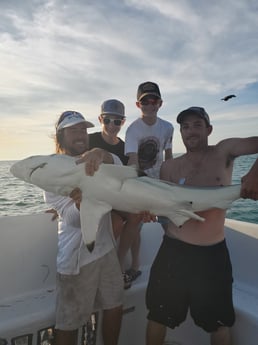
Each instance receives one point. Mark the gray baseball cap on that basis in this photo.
(113, 107)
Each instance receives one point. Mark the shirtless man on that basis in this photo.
(192, 269)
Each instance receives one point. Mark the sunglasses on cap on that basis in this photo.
(68, 113)
(147, 101)
(116, 122)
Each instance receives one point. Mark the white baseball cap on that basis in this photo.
(70, 118)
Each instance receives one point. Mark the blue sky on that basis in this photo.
(68, 54)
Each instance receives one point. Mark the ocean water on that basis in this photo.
(20, 198)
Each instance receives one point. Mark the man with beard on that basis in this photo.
(192, 270)
(86, 281)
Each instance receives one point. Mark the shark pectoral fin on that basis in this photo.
(181, 216)
(91, 212)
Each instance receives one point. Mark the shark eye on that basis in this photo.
(39, 166)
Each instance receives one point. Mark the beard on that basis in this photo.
(76, 150)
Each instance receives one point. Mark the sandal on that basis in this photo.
(127, 281)
(133, 274)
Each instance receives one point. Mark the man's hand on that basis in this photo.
(94, 158)
(76, 195)
(249, 188)
(54, 213)
(147, 217)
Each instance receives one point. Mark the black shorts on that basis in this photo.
(185, 276)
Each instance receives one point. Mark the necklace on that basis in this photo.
(190, 168)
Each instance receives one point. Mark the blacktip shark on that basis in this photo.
(119, 187)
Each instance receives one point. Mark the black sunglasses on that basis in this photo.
(116, 122)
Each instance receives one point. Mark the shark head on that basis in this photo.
(25, 168)
(55, 173)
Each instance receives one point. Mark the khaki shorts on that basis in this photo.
(99, 285)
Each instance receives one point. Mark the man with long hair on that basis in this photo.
(86, 280)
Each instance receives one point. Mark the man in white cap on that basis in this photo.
(86, 281)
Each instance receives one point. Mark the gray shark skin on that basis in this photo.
(120, 188)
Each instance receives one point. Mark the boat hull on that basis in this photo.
(28, 249)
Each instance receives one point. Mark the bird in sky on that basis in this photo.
(226, 98)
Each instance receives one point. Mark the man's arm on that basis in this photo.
(131, 145)
(168, 154)
(165, 171)
(239, 147)
(168, 143)
(133, 159)
(63, 206)
(236, 147)
(249, 187)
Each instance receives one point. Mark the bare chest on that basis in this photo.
(205, 171)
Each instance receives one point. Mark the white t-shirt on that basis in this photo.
(149, 142)
(72, 251)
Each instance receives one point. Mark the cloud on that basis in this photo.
(64, 54)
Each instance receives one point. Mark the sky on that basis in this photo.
(58, 55)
